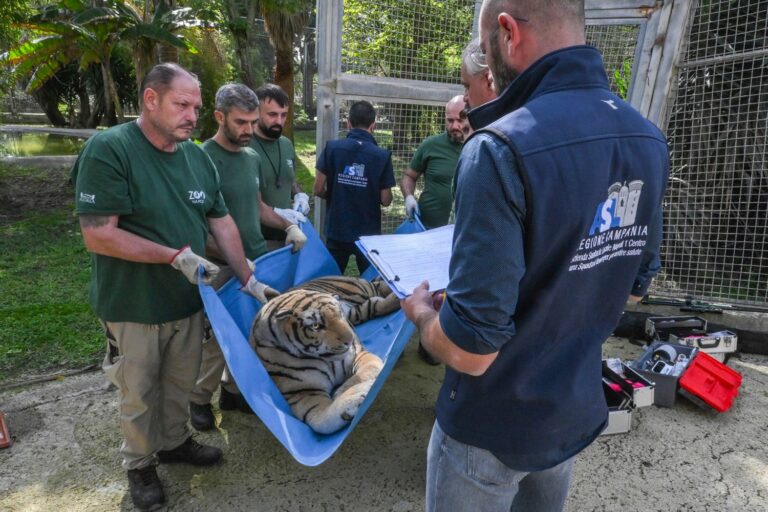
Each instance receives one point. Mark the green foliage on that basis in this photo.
(623, 78)
(304, 143)
(213, 71)
(73, 30)
(395, 41)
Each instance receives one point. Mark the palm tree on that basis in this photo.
(73, 30)
(285, 20)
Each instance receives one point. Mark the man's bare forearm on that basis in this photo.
(102, 236)
(407, 185)
(227, 236)
(270, 218)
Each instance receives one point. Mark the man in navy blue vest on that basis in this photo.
(558, 222)
(355, 176)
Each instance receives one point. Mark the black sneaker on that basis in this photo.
(233, 402)
(201, 416)
(146, 489)
(426, 356)
(191, 452)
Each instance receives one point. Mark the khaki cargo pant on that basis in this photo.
(154, 368)
(213, 367)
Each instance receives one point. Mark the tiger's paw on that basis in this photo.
(353, 404)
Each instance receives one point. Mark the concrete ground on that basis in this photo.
(64, 456)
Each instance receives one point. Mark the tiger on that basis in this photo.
(304, 338)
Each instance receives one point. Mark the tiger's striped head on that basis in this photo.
(308, 323)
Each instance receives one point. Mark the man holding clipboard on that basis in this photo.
(558, 222)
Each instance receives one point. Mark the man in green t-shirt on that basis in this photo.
(146, 198)
(436, 160)
(239, 170)
(279, 188)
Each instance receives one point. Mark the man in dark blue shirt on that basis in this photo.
(558, 222)
(355, 177)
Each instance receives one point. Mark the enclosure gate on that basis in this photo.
(404, 57)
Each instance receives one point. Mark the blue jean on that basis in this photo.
(461, 477)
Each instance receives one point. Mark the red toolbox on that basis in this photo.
(709, 381)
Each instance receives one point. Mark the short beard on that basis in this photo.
(234, 140)
(456, 138)
(503, 75)
(271, 132)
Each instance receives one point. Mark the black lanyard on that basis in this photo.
(275, 169)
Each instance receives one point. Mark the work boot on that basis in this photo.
(201, 416)
(426, 356)
(191, 452)
(146, 489)
(233, 402)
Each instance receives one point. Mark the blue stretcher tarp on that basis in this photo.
(231, 314)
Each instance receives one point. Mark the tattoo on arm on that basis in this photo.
(93, 221)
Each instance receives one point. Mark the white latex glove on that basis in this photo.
(260, 291)
(293, 235)
(291, 216)
(411, 205)
(188, 262)
(301, 203)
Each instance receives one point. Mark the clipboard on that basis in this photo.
(405, 260)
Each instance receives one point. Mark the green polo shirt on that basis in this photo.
(278, 170)
(240, 173)
(163, 197)
(436, 159)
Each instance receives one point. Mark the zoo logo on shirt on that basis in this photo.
(87, 198)
(196, 196)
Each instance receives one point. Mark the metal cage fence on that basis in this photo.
(396, 39)
(393, 39)
(716, 209)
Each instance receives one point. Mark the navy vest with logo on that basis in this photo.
(594, 172)
(357, 169)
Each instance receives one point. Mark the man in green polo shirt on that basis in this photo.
(279, 188)
(146, 198)
(239, 170)
(436, 160)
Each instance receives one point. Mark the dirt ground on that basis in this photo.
(38, 190)
(66, 437)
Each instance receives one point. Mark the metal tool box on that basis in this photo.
(691, 331)
(624, 393)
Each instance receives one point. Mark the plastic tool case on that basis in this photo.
(686, 370)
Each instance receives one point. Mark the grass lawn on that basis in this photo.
(45, 319)
(304, 143)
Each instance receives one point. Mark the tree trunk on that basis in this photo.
(284, 78)
(49, 103)
(308, 74)
(166, 52)
(240, 38)
(85, 104)
(112, 100)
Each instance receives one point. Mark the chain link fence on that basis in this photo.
(716, 210)
(423, 41)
